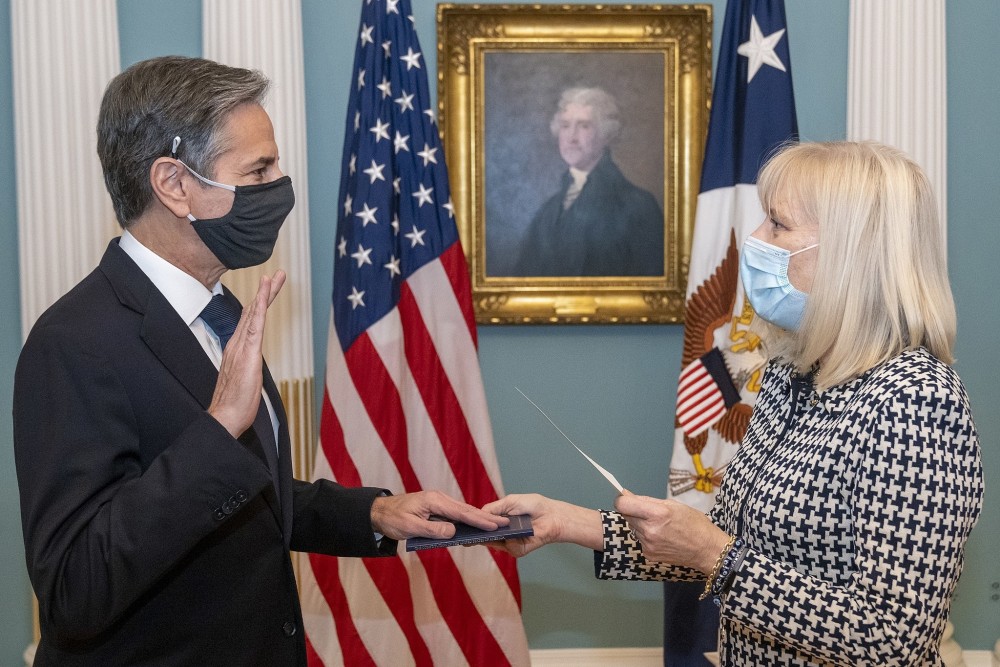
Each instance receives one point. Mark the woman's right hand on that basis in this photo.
(551, 521)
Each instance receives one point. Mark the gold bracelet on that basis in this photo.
(715, 570)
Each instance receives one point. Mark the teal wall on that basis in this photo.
(15, 592)
(611, 387)
(973, 244)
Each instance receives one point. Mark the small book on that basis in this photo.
(519, 526)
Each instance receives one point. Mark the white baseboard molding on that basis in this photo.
(653, 657)
(634, 657)
(597, 657)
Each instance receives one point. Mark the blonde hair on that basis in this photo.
(881, 283)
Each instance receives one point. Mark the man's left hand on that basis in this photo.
(408, 515)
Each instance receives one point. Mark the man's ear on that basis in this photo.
(166, 176)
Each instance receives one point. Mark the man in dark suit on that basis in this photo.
(151, 445)
(598, 223)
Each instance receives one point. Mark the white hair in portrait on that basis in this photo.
(605, 108)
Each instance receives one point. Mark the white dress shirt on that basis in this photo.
(188, 297)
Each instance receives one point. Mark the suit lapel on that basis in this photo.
(170, 339)
(284, 455)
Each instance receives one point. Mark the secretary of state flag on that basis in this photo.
(753, 112)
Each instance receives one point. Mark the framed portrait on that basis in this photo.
(574, 137)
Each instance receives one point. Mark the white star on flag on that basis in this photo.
(393, 266)
(386, 45)
(367, 216)
(385, 87)
(375, 171)
(395, 184)
(395, 224)
(416, 236)
(405, 102)
(380, 130)
(348, 204)
(430, 114)
(423, 195)
(356, 298)
(759, 50)
(412, 59)
(428, 154)
(399, 144)
(342, 247)
(390, 7)
(361, 79)
(353, 166)
(450, 207)
(366, 34)
(362, 256)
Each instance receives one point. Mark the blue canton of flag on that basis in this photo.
(396, 213)
(753, 113)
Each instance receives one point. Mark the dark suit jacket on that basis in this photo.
(613, 228)
(152, 536)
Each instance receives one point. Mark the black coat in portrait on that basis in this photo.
(613, 228)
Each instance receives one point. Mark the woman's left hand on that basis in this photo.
(672, 532)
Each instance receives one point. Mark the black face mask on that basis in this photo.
(245, 236)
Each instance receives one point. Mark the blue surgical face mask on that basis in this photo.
(764, 272)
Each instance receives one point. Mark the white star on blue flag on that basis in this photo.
(406, 187)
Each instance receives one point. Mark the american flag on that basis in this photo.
(753, 112)
(404, 406)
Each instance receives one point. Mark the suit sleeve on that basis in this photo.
(335, 520)
(99, 529)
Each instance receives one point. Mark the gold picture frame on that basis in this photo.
(501, 70)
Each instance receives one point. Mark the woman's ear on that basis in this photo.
(166, 176)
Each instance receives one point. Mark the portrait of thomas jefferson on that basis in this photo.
(598, 223)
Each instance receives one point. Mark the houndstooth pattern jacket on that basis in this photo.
(856, 504)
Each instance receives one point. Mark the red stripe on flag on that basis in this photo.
(389, 575)
(325, 569)
(478, 644)
(709, 418)
(442, 405)
(694, 368)
(696, 395)
(383, 404)
(393, 581)
(696, 412)
(691, 380)
(453, 260)
(449, 423)
(382, 401)
(508, 568)
(331, 440)
(312, 657)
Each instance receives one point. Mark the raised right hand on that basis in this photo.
(551, 520)
(238, 390)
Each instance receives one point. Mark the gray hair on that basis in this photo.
(605, 108)
(152, 102)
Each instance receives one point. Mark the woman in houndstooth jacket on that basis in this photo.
(838, 535)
